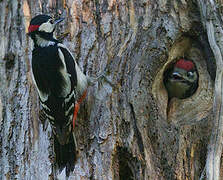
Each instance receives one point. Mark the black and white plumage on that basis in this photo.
(60, 84)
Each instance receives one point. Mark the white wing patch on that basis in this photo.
(71, 107)
(45, 107)
(67, 99)
(67, 83)
(81, 78)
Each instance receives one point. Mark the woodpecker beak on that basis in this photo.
(58, 21)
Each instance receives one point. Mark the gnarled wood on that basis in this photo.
(125, 129)
(214, 31)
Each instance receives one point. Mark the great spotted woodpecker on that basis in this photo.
(181, 80)
(60, 84)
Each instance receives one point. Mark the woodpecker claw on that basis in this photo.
(93, 80)
(63, 35)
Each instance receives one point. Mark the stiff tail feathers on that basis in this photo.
(66, 155)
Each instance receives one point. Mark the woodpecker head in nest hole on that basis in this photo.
(181, 81)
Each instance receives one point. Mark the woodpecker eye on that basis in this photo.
(190, 74)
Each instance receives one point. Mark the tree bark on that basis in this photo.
(212, 21)
(126, 129)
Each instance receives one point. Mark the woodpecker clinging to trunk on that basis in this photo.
(182, 80)
(60, 84)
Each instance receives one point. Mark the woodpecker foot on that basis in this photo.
(63, 35)
(102, 76)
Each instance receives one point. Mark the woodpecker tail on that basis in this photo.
(66, 154)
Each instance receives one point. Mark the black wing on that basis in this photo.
(46, 66)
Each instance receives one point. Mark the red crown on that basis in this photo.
(185, 64)
(33, 28)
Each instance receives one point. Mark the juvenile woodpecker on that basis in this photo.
(60, 84)
(182, 80)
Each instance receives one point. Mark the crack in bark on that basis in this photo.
(138, 136)
(98, 18)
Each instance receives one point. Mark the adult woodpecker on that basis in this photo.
(60, 84)
(182, 80)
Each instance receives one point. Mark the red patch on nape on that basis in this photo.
(33, 28)
(184, 64)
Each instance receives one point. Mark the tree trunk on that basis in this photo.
(126, 128)
(212, 20)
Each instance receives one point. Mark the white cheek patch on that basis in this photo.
(46, 27)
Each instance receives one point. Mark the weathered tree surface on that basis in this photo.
(212, 20)
(126, 129)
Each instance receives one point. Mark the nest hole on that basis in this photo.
(128, 166)
(196, 104)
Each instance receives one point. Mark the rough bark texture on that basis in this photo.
(212, 21)
(127, 129)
